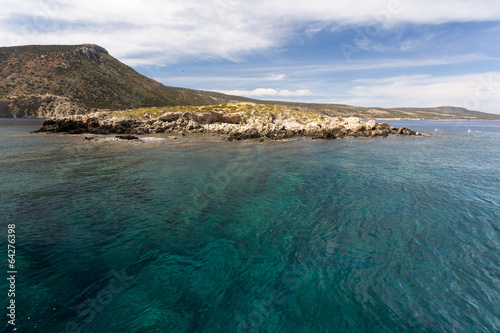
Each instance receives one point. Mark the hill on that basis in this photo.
(52, 80)
(61, 79)
(433, 113)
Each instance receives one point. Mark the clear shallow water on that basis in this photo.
(372, 235)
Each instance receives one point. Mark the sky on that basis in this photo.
(386, 53)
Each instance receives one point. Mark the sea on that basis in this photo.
(196, 234)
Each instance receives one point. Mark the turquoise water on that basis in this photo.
(197, 235)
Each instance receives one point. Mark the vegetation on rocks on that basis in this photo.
(86, 76)
(235, 121)
(51, 80)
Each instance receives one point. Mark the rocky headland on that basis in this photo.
(42, 81)
(248, 124)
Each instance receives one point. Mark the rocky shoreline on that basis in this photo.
(235, 126)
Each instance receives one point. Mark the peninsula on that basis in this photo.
(235, 121)
(83, 89)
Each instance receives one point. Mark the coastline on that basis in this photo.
(236, 126)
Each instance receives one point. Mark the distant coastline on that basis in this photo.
(45, 81)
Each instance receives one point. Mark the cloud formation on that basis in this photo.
(400, 47)
(472, 91)
(269, 92)
(169, 31)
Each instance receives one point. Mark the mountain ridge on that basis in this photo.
(51, 80)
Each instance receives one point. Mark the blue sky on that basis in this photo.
(388, 53)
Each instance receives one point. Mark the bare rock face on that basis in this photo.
(40, 106)
(236, 126)
(91, 51)
(405, 131)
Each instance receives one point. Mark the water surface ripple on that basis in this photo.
(190, 235)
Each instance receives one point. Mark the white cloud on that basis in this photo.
(162, 32)
(276, 77)
(262, 92)
(207, 81)
(479, 92)
(309, 70)
(228, 29)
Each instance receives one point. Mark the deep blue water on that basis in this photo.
(196, 235)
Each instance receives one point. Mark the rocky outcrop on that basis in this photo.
(235, 126)
(405, 131)
(127, 137)
(91, 51)
(41, 106)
